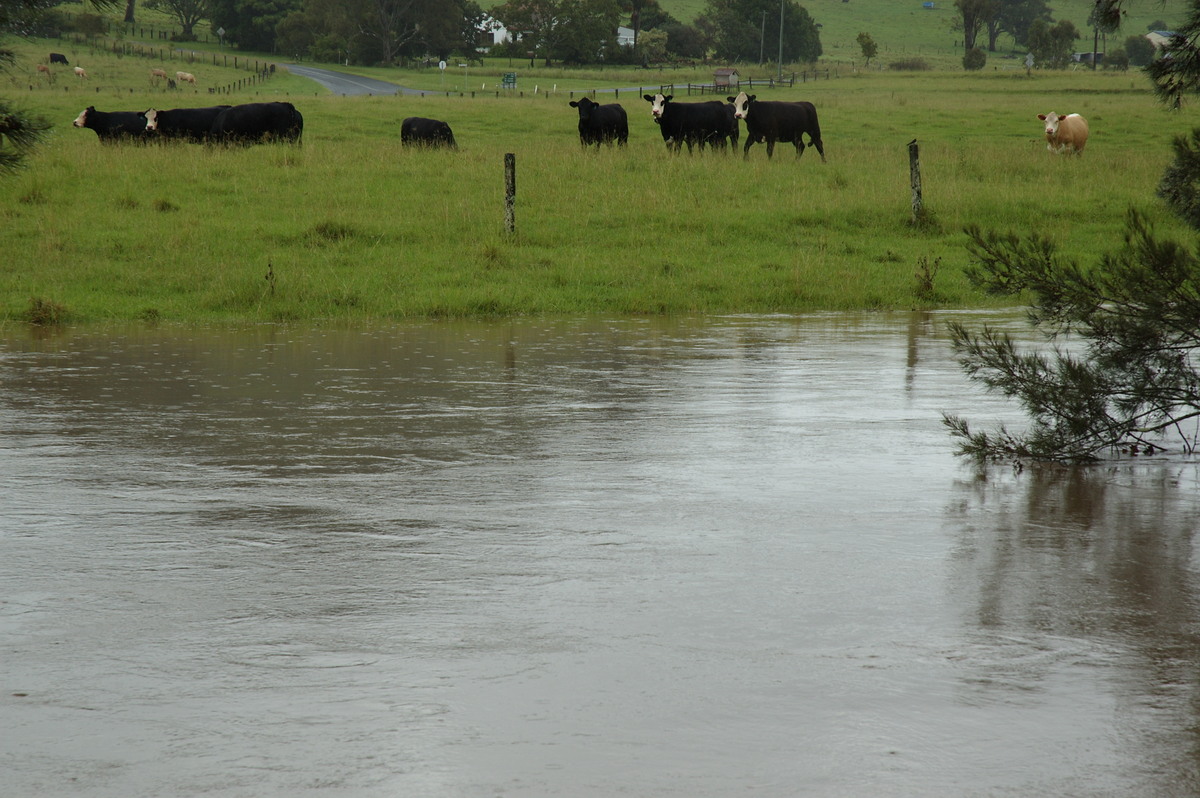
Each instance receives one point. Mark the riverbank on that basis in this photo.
(350, 225)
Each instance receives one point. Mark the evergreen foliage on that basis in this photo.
(1122, 375)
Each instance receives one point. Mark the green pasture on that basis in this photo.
(350, 226)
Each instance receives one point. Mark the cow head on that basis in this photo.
(81, 120)
(741, 104)
(151, 116)
(658, 104)
(1052, 119)
(585, 107)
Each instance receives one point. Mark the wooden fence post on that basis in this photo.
(914, 169)
(510, 191)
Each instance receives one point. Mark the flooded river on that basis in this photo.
(581, 558)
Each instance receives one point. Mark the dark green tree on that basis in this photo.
(1139, 49)
(973, 17)
(1016, 16)
(251, 24)
(741, 28)
(1052, 45)
(188, 13)
(869, 48)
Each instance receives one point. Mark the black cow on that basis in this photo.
(419, 131)
(190, 124)
(703, 123)
(58, 58)
(253, 122)
(601, 123)
(778, 121)
(113, 125)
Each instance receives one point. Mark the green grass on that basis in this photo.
(350, 226)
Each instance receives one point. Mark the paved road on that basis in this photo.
(343, 83)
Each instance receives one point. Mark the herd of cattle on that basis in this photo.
(701, 124)
(233, 124)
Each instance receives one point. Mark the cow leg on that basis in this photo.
(746, 149)
(820, 148)
(770, 148)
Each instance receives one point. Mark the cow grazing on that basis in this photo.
(778, 121)
(418, 131)
(185, 77)
(693, 123)
(601, 123)
(189, 124)
(1068, 133)
(80, 73)
(113, 125)
(157, 74)
(255, 122)
(58, 58)
(42, 68)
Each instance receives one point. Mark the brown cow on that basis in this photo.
(1067, 133)
(155, 74)
(185, 77)
(43, 68)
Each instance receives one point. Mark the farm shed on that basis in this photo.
(724, 77)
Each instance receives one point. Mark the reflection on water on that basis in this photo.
(578, 557)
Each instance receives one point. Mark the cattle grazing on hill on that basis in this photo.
(189, 124)
(256, 122)
(601, 123)
(778, 121)
(58, 58)
(419, 131)
(43, 69)
(185, 77)
(157, 74)
(80, 73)
(701, 123)
(1067, 133)
(113, 125)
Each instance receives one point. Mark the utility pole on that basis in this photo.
(780, 40)
(762, 37)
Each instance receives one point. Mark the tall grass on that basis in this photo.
(352, 226)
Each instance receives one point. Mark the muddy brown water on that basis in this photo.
(730, 556)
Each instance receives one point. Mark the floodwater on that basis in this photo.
(647, 557)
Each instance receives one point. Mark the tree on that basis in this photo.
(739, 29)
(577, 31)
(974, 16)
(251, 24)
(1016, 16)
(187, 12)
(974, 59)
(1139, 49)
(1131, 379)
(869, 48)
(1180, 74)
(1052, 46)
(129, 11)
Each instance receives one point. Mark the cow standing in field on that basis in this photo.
(778, 121)
(156, 75)
(189, 124)
(58, 58)
(601, 123)
(255, 122)
(80, 73)
(185, 77)
(417, 130)
(113, 125)
(1067, 133)
(693, 123)
(43, 70)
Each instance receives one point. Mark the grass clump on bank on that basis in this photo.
(350, 225)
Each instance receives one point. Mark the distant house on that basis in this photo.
(1160, 38)
(724, 77)
(625, 37)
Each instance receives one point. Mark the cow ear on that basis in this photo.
(751, 97)
(647, 98)
(669, 97)
(574, 104)
(730, 99)
(1042, 117)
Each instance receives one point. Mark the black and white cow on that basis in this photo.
(778, 121)
(58, 58)
(702, 123)
(419, 131)
(191, 124)
(601, 123)
(113, 125)
(255, 122)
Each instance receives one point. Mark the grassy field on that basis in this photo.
(350, 226)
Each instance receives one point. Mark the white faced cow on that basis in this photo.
(692, 123)
(1067, 133)
(777, 121)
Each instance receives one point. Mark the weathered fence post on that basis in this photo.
(914, 169)
(510, 191)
